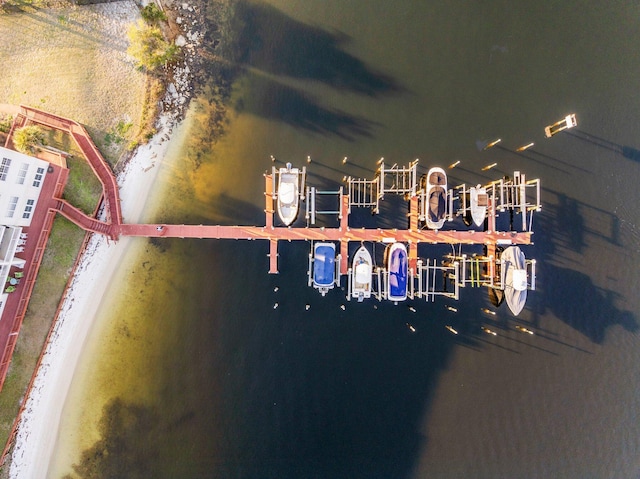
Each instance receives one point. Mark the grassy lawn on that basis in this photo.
(63, 246)
(71, 60)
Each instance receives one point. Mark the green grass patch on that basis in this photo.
(62, 249)
(83, 189)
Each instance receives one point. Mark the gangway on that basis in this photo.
(398, 180)
(517, 194)
(429, 284)
(364, 193)
(311, 209)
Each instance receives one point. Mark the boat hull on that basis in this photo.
(436, 197)
(397, 266)
(288, 194)
(324, 266)
(361, 274)
(479, 201)
(515, 278)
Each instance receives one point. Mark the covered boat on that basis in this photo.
(514, 271)
(324, 266)
(436, 197)
(397, 266)
(288, 194)
(478, 202)
(361, 271)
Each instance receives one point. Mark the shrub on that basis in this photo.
(28, 139)
(148, 46)
(152, 13)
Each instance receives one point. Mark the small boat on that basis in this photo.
(324, 266)
(288, 194)
(361, 270)
(397, 265)
(479, 200)
(435, 185)
(514, 271)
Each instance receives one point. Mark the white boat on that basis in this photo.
(324, 267)
(478, 202)
(361, 270)
(436, 197)
(288, 194)
(397, 266)
(514, 271)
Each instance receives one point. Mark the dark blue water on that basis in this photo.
(354, 393)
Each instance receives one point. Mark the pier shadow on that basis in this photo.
(569, 294)
(628, 152)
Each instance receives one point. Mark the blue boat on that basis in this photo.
(397, 266)
(324, 266)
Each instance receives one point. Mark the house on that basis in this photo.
(21, 179)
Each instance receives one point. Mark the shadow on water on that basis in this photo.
(271, 48)
(627, 152)
(272, 100)
(123, 427)
(572, 295)
(275, 43)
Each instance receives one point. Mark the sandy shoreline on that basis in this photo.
(37, 433)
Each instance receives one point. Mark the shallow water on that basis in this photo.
(214, 382)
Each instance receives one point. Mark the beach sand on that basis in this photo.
(37, 433)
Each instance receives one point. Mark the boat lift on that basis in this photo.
(464, 200)
(430, 285)
(398, 180)
(312, 211)
(275, 175)
(364, 193)
(516, 194)
(382, 276)
(567, 122)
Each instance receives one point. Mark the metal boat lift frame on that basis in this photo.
(516, 194)
(310, 205)
(302, 174)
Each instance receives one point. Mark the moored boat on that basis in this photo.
(436, 196)
(478, 201)
(324, 266)
(288, 194)
(514, 271)
(397, 266)
(361, 270)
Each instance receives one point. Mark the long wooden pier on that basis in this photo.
(343, 233)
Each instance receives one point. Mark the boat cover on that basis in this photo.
(324, 264)
(398, 273)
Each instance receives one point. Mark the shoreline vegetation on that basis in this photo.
(132, 127)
